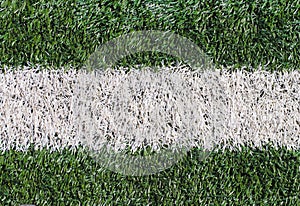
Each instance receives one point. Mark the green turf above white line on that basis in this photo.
(55, 108)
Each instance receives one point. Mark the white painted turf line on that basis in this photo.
(54, 109)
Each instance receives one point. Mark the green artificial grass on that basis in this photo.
(72, 177)
(60, 33)
(232, 33)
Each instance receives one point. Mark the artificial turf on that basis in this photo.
(232, 33)
(73, 177)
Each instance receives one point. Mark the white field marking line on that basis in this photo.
(56, 109)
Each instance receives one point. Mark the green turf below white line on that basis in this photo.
(56, 108)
